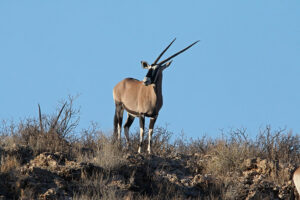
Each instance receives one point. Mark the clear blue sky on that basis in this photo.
(245, 72)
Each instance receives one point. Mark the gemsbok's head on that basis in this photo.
(157, 67)
(141, 98)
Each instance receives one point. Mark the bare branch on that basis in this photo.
(55, 122)
(40, 118)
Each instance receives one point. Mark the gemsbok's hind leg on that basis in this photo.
(151, 125)
(127, 125)
(118, 122)
(142, 126)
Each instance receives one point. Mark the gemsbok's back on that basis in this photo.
(141, 98)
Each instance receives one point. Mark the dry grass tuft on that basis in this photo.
(9, 163)
(94, 188)
(96, 147)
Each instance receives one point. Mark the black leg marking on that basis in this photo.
(152, 122)
(129, 121)
(127, 125)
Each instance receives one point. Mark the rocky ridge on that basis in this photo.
(55, 176)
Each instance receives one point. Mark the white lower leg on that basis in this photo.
(149, 140)
(119, 132)
(141, 140)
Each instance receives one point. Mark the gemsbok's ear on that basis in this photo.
(167, 65)
(145, 65)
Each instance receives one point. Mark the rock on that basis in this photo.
(49, 194)
(250, 163)
(262, 166)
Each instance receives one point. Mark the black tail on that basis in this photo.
(117, 120)
(115, 133)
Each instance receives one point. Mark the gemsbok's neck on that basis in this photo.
(158, 86)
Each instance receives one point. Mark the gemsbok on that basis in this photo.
(296, 179)
(141, 98)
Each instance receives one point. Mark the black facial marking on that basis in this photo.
(149, 73)
(152, 74)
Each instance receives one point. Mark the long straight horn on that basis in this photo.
(176, 54)
(162, 53)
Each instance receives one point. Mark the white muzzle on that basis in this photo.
(147, 81)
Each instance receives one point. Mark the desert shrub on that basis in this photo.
(48, 133)
(40, 141)
(161, 141)
(229, 152)
(96, 147)
(281, 149)
(89, 137)
(278, 145)
(190, 146)
(181, 143)
(199, 145)
(108, 155)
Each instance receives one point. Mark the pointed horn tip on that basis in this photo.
(162, 53)
(176, 54)
(196, 42)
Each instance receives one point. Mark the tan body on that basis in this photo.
(137, 98)
(296, 179)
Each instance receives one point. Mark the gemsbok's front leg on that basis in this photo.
(151, 125)
(142, 126)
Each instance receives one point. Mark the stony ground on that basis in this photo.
(139, 176)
